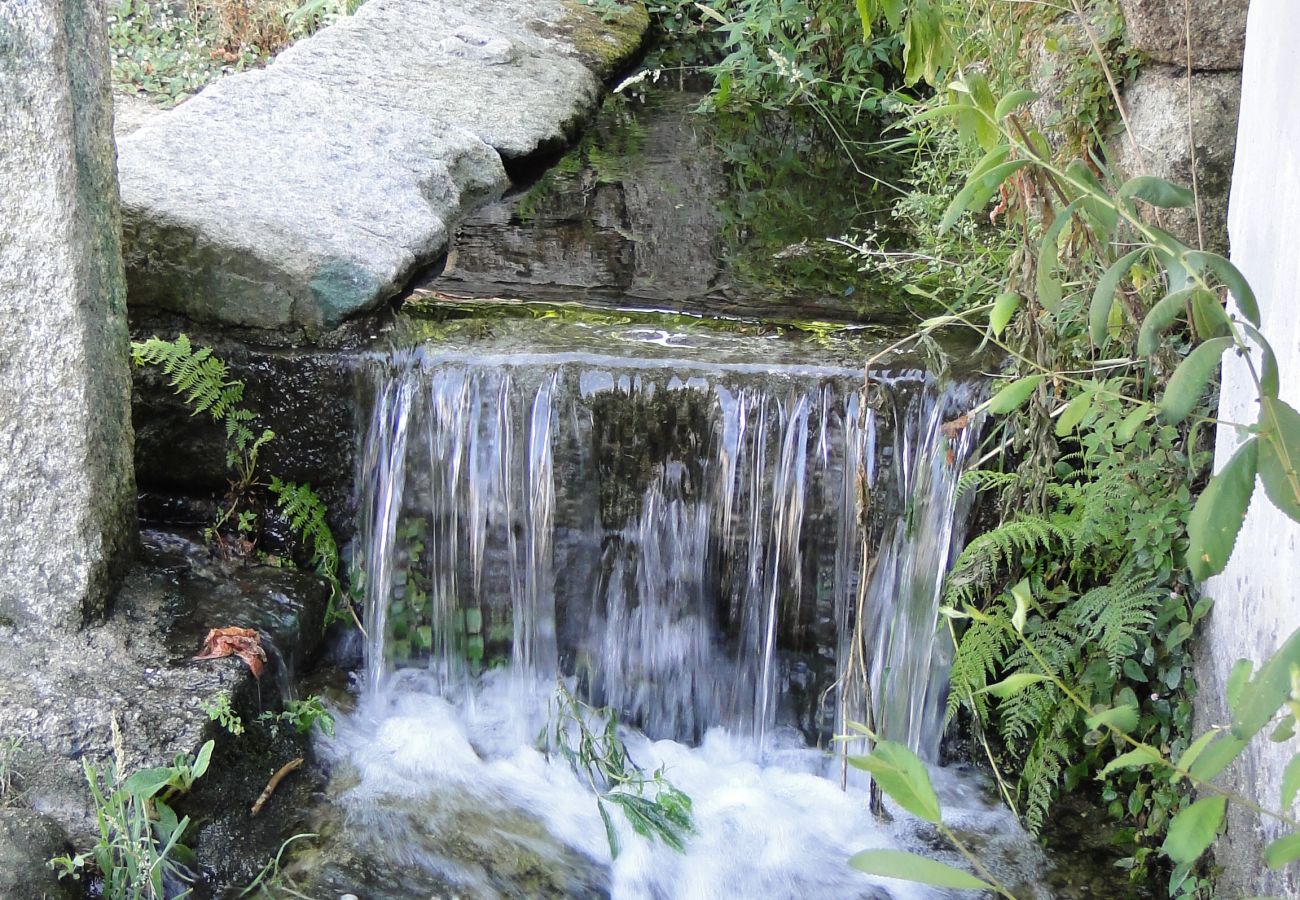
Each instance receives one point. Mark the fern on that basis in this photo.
(305, 512)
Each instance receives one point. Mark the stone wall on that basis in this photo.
(67, 491)
(1257, 598)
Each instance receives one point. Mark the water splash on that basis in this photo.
(698, 543)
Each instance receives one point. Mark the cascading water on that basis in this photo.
(738, 557)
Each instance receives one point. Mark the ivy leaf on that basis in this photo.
(900, 773)
(1279, 455)
(1157, 192)
(913, 867)
(1013, 396)
(1282, 851)
(1219, 512)
(1192, 831)
(1187, 384)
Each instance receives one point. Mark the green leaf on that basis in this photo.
(1120, 718)
(1075, 412)
(1004, 307)
(913, 867)
(202, 760)
(977, 191)
(1046, 285)
(1192, 831)
(1209, 316)
(864, 16)
(900, 773)
(1216, 758)
(1012, 685)
(1279, 455)
(1192, 753)
(1290, 782)
(1237, 678)
(148, 782)
(1104, 295)
(1024, 597)
(1216, 518)
(1187, 385)
(1132, 422)
(1232, 279)
(1264, 694)
(1013, 101)
(1013, 395)
(1136, 758)
(1157, 192)
(611, 834)
(1282, 851)
(1269, 381)
(1160, 317)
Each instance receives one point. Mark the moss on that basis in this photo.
(607, 35)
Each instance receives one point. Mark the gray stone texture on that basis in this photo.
(305, 193)
(1159, 29)
(1257, 598)
(1158, 112)
(67, 493)
(27, 841)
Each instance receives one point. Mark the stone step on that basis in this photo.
(300, 195)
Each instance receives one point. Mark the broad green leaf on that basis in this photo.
(1269, 381)
(202, 760)
(994, 157)
(1193, 752)
(1284, 731)
(1013, 396)
(1011, 102)
(1279, 455)
(1290, 782)
(1046, 284)
(1240, 673)
(1136, 758)
(1012, 685)
(1157, 192)
(864, 16)
(147, 782)
(1096, 202)
(1075, 412)
(1232, 279)
(1132, 422)
(1103, 297)
(1282, 851)
(978, 190)
(1216, 757)
(985, 128)
(1160, 317)
(1192, 831)
(1021, 593)
(1187, 385)
(1264, 694)
(1216, 518)
(1209, 316)
(1120, 718)
(900, 774)
(1004, 307)
(913, 867)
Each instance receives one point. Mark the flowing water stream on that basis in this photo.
(729, 537)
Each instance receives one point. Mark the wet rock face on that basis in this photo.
(66, 492)
(27, 841)
(1158, 28)
(297, 196)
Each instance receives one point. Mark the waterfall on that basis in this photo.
(757, 547)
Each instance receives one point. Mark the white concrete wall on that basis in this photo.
(1257, 599)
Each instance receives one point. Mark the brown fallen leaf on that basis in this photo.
(234, 641)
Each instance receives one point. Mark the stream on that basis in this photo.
(604, 458)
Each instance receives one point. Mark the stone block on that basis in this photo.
(67, 494)
(1159, 29)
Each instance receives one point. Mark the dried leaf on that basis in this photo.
(234, 641)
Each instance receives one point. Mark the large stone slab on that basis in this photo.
(67, 496)
(1159, 28)
(297, 196)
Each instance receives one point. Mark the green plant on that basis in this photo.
(270, 881)
(303, 715)
(219, 710)
(653, 807)
(203, 381)
(11, 754)
(140, 851)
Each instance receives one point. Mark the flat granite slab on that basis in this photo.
(299, 195)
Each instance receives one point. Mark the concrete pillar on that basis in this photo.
(67, 490)
(1257, 598)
